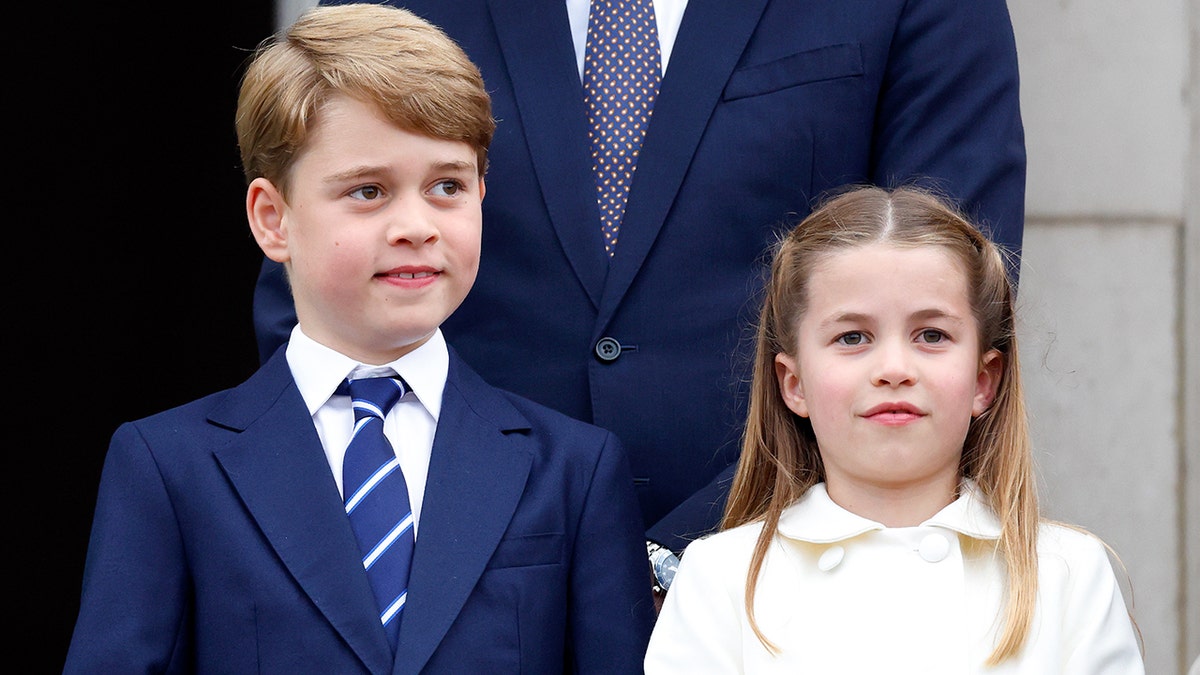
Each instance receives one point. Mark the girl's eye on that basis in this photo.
(932, 336)
(447, 188)
(367, 193)
(851, 339)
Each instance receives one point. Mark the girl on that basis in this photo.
(883, 517)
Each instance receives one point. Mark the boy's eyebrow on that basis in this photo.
(356, 172)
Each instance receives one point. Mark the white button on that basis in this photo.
(934, 548)
(831, 558)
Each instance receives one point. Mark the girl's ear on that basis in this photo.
(991, 367)
(264, 211)
(791, 387)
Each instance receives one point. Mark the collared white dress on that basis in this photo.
(841, 594)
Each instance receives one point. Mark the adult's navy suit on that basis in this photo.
(766, 104)
(220, 544)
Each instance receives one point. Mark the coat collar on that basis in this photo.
(477, 473)
(815, 518)
(278, 468)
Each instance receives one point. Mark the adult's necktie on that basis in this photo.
(622, 69)
(377, 499)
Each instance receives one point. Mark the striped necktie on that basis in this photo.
(377, 498)
(622, 69)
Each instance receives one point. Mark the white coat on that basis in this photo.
(840, 594)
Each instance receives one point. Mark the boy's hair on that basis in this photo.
(416, 76)
(780, 460)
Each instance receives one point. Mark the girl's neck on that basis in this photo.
(893, 505)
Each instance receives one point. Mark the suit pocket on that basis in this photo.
(815, 65)
(532, 549)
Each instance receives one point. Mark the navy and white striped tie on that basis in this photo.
(376, 498)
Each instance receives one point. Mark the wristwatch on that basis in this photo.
(663, 563)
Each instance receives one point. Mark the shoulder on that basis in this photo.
(1073, 557)
(1057, 539)
(220, 412)
(727, 549)
(515, 413)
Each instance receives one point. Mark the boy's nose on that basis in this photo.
(411, 223)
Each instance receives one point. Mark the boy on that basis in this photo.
(225, 534)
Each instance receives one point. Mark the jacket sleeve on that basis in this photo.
(949, 110)
(134, 614)
(612, 610)
(1099, 637)
(700, 627)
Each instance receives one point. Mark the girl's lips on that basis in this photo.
(894, 418)
(893, 407)
(893, 414)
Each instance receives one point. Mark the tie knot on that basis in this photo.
(375, 396)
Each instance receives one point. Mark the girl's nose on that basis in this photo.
(894, 365)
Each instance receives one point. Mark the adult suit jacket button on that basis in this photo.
(607, 349)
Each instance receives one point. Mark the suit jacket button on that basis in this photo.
(608, 349)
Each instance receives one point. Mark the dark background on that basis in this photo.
(129, 262)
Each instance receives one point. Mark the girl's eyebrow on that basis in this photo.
(919, 315)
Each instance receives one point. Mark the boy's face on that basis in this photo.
(381, 233)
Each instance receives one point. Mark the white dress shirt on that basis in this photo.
(409, 426)
(667, 14)
(839, 593)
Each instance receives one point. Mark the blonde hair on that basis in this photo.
(780, 459)
(418, 77)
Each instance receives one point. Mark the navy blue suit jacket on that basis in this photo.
(220, 544)
(765, 106)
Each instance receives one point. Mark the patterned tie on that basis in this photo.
(621, 73)
(377, 498)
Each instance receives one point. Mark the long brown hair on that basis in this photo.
(780, 460)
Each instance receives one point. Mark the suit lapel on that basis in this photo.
(477, 474)
(279, 470)
(711, 40)
(535, 38)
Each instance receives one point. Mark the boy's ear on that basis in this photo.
(264, 211)
(791, 387)
(991, 368)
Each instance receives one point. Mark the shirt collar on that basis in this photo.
(318, 370)
(815, 517)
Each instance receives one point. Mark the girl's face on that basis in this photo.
(888, 370)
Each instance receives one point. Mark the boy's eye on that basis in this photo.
(932, 336)
(851, 339)
(367, 193)
(447, 188)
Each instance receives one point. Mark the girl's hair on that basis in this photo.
(416, 76)
(780, 460)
